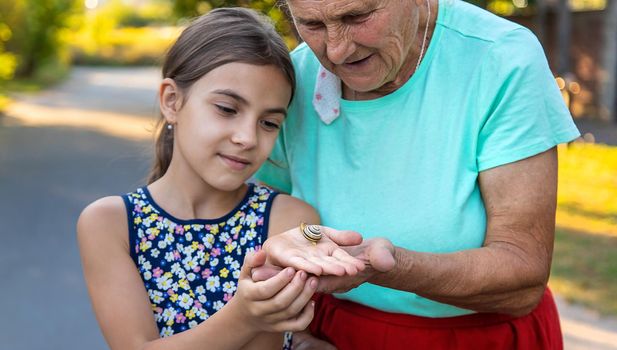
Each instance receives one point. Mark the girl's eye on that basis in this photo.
(269, 125)
(225, 110)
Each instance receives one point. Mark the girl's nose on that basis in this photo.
(245, 135)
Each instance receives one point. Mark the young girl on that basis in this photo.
(160, 278)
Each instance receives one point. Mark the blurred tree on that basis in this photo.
(36, 27)
(186, 8)
(8, 61)
(275, 9)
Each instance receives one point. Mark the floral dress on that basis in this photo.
(190, 268)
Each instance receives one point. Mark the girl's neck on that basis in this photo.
(189, 197)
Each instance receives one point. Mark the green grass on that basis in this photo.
(587, 197)
(584, 267)
(584, 270)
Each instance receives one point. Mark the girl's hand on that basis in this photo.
(291, 249)
(278, 304)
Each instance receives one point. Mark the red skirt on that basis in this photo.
(351, 326)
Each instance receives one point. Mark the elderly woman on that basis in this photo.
(432, 124)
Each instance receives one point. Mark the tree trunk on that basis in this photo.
(608, 97)
(541, 21)
(563, 38)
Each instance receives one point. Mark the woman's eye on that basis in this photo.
(226, 110)
(359, 18)
(270, 125)
(313, 25)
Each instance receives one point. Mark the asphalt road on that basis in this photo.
(65, 147)
(47, 175)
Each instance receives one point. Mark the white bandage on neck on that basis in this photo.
(326, 99)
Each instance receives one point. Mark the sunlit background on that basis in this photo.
(54, 47)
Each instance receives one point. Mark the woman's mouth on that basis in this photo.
(358, 63)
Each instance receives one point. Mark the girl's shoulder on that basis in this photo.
(103, 222)
(288, 212)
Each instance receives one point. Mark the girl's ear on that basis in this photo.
(170, 100)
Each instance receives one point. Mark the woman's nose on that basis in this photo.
(338, 45)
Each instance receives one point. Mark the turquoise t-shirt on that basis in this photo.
(405, 166)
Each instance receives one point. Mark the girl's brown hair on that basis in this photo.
(221, 36)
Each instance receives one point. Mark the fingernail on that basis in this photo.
(313, 284)
(303, 275)
(290, 272)
(312, 303)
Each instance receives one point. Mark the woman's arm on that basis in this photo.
(509, 272)
(122, 306)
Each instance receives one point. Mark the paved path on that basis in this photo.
(65, 147)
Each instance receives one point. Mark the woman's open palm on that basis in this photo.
(326, 257)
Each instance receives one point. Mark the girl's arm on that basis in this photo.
(123, 309)
(286, 213)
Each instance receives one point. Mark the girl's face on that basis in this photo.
(228, 123)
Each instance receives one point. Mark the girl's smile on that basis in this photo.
(235, 163)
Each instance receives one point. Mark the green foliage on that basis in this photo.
(36, 27)
(119, 34)
(123, 14)
(273, 8)
(122, 46)
(8, 61)
(187, 8)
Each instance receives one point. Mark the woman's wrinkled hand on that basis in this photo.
(377, 254)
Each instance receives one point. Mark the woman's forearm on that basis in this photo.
(490, 279)
(509, 273)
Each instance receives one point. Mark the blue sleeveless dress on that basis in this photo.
(190, 268)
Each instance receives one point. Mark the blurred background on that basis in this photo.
(78, 83)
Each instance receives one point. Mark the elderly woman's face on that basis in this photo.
(365, 42)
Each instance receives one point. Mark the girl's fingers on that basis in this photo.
(251, 260)
(300, 322)
(349, 268)
(342, 238)
(302, 263)
(329, 265)
(265, 290)
(299, 302)
(286, 296)
(342, 255)
(262, 273)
